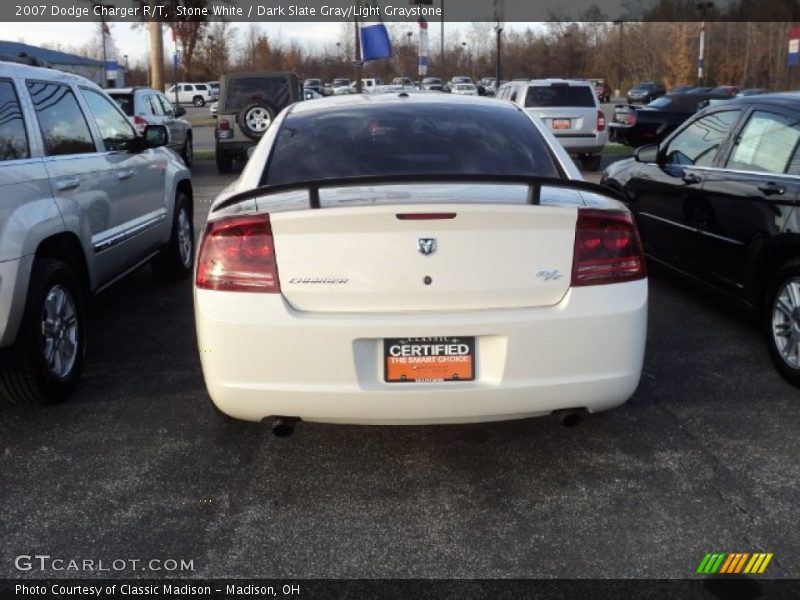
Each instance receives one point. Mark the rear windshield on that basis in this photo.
(560, 95)
(415, 139)
(241, 91)
(125, 102)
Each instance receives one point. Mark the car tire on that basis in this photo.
(255, 118)
(40, 368)
(782, 321)
(591, 162)
(198, 101)
(177, 258)
(224, 161)
(187, 153)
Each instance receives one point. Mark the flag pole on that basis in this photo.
(358, 61)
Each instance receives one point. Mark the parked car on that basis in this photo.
(248, 104)
(569, 108)
(727, 91)
(645, 92)
(717, 201)
(416, 258)
(459, 79)
(86, 199)
(432, 83)
(213, 87)
(752, 92)
(315, 85)
(213, 108)
(464, 89)
(601, 89)
(637, 125)
(145, 106)
(340, 86)
(190, 93)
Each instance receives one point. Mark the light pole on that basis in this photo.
(702, 71)
(621, 24)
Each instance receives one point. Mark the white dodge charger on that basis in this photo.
(416, 258)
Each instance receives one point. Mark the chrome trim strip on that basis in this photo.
(721, 238)
(663, 220)
(128, 230)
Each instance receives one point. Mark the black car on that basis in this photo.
(634, 126)
(646, 91)
(717, 201)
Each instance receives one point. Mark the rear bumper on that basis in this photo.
(583, 144)
(261, 358)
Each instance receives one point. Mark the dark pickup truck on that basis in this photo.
(639, 125)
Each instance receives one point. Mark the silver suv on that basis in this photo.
(569, 109)
(84, 200)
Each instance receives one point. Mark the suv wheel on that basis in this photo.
(254, 119)
(187, 153)
(45, 363)
(782, 321)
(224, 161)
(176, 259)
(198, 101)
(591, 162)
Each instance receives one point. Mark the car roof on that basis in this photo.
(551, 80)
(130, 90)
(784, 99)
(398, 98)
(11, 69)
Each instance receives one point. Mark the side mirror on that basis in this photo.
(180, 111)
(646, 154)
(154, 136)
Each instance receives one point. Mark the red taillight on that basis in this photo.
(223, 124)
(601, 121)
(607, 249)
(139, 124)
(630, 118)
(238, 254)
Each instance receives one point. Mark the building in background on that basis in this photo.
(90, 68)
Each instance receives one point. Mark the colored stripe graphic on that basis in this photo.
(734, 563)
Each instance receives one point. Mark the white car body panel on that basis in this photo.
(262, 358)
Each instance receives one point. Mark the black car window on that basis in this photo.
(244, 90)
(125, 102)
(767, 143)
(63, 125)
(115, 129)
(13, 138)
(698, 144)
(414, 139)
(560, 95)
(166, 105)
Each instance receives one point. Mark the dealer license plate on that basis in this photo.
(430, 359)
(562, 124)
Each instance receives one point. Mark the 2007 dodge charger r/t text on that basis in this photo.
(416, 258)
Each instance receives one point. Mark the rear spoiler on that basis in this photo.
(534, 183)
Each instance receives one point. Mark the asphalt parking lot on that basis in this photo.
(704, 458)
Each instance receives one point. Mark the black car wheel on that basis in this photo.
(591, 162)
(176, 259)
(187, 153)
(782, 321)
(224, 161)
(198, 101)
(45, 363)
(254, 119)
